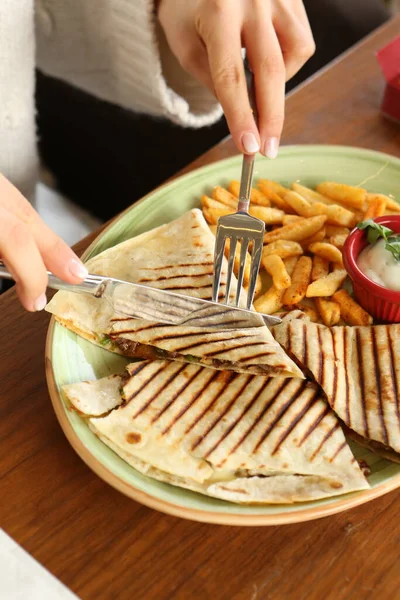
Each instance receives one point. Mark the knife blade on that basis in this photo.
(140, 301)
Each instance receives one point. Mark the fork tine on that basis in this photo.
(232, 252)
(242, 264)
(218, 258)
(254, 269)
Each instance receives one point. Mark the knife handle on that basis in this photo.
(89, 285)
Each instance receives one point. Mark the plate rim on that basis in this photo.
(170, 508)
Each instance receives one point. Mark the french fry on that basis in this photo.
(300, 281)
(213, 229)
(256, 197)
(320, 268)
(282, 248)
(273, 185)
(326, 286)
(275, 267)
(290, 264)
(297, 231)
(350, 310)
(268, 188)
(270, 302)
(310, 311)
(376, 207)
(297, 202)
(286, 219)
(317, 237)
(222, 195)
(212, 215)
(270, 216)
(332, 230)
(338, 240)
(348, 195)
(327, 251)
(336, 267)
(391, 203)
(311, 195)
(336, 215)
(258, 287)
(329, 311)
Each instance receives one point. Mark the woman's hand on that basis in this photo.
(29, 248)
(207, 37)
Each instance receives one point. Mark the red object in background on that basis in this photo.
(380, 302)
(389, 61)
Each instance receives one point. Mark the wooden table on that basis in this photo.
(105, 546)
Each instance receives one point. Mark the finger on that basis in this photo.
(224, 50)
(295, 38)
(22, 257)
(266, 60)
(57, 255)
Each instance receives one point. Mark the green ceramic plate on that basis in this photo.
(70, 358)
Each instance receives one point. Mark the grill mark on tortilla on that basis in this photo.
(268, 405)
(305, 347)
(144, 328)
(176, 395)
(325, 439)
(361, 381)
(243, 346)
(166, 277)
(213, 377)
(314, 425)
(232, 426)
(145, 364)
(378, 386)
(295, 421)
(191, 287)
(253, 356)
(335, 371)
(278, 417)
(163, 388)
(321, 370)
(172, 336)
(393, 375)
(347, 380)
(338, 450)
(190, 346)
(195, 264)
(221, 415)
(228, 377)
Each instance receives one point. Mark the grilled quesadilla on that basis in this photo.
(358, 368)
(241, 438)
(177, 257)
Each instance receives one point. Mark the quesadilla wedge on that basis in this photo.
(358, 368)
(241, 438)
(176, 257)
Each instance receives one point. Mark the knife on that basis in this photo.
(140, 301)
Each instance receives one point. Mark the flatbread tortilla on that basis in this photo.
(358, 368)
(241, 438)
(177, 257)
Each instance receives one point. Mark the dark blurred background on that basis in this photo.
(104, 158)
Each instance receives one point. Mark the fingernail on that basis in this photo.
(40, 302)
(250, 143)
(77, 269)
(271, 147)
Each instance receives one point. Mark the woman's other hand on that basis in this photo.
(207, 37)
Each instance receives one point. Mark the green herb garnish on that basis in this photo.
(375, 231)
(105, 340)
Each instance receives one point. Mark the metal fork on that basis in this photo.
(240, 227)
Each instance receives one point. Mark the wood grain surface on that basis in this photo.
(105, 546)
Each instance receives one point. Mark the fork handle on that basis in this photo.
(88, 285)
(245, 182)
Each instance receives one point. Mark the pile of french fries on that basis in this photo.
(305, 233)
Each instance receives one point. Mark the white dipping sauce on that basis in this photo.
(379, 264)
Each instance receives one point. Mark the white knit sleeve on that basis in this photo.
(18, 160)
(115, 50)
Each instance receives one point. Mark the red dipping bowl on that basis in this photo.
(381, 303)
